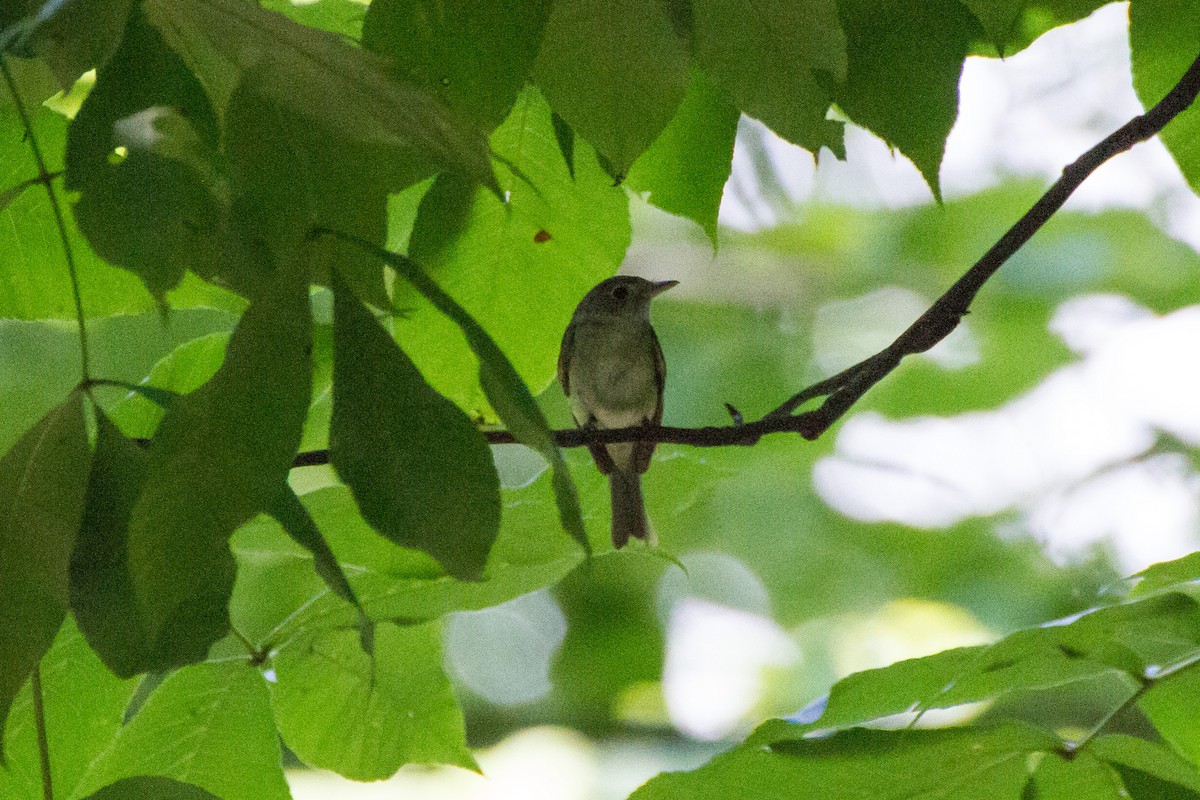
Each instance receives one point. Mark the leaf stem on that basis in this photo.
(46, 178)
(39, 718)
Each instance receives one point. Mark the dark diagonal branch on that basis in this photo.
(844, 389)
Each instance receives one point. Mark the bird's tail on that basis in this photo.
(628, 511)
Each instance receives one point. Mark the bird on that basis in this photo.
(612, 371)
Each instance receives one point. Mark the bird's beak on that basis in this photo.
(661, 286)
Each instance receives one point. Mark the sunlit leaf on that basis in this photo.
(85, 704)
(686, 168)
(208, 725)
(1126, 752)
(364, 717)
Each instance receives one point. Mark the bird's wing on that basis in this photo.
(643, 450)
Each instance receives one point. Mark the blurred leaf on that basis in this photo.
(473, 54)
(345, 92)
(776, 61)
(420, 470)
(615, 71)
(220, 455)
(208, 725)
(71, 36)
(963, 763)
(1164, 39)
(143, 787)
(42, 480)
(904, 59)
(362, 717)
(686, 168)
(85, 705)
(1080, 776)
(1126, 752)
(1170, 704)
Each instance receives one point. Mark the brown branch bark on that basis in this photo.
(844, 389)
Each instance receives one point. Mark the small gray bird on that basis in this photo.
(611, 367)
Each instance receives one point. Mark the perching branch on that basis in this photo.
(844, 389)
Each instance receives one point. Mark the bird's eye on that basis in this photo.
(621, 292)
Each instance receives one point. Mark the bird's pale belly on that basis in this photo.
(618, 385)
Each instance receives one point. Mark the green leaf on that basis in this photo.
(1170, 704)
(298, 523)
(159, 788)
(420, 470)
(103, 593)
(998, 17)
(344, 17)
(506, 392)
(963, 763)
(71, 37)
(473, 54)
(42, 480)
(1130, 637)
(1163, 37)
(1128, 752)
(208, 725)
(182, 371)
(1167, 574)
(553, 240)
(904, 59)
(777, 61)
(340, 709)
(154, 212)
(686, 168)
(275, 576)
(615, 70)
(1080, 776)
(220, 456)
(84, 705)
(347, 94)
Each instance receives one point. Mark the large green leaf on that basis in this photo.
(346, 93)
(42, 480)
(1126, 752)
(686, 168)
(615, 70)
(1081, 775)
(963, 763)
(208, 725)
(904, 58)
(1164, 39)
(474, 54)
(777, 61)
(220, 455)
(998, 17)
(366, 716)
(141, 787)
(419, 468)
(83, 704)
(517, 267)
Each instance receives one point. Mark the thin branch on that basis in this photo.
(46, 178)
(943, 316)
(39, 719)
